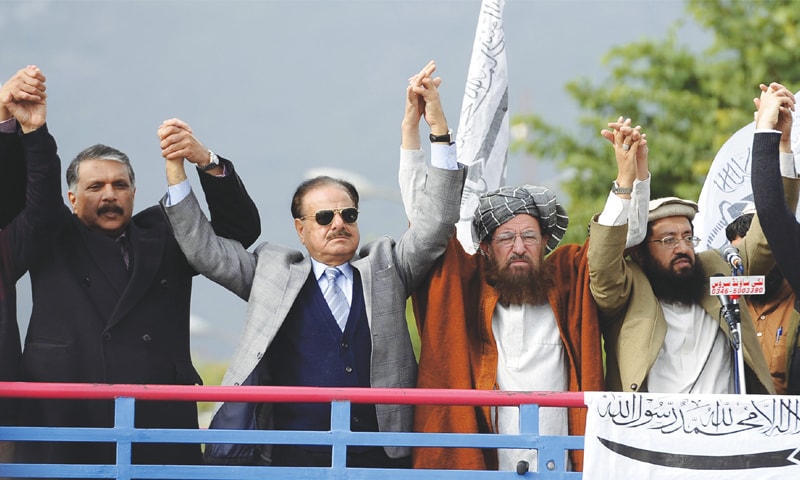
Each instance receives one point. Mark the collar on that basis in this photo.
(319, 269)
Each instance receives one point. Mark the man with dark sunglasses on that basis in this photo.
(332, 316)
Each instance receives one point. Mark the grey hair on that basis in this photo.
(97, 152)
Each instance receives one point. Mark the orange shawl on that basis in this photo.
(454, 310)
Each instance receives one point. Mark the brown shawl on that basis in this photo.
(454, 312)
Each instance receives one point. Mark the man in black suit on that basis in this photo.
(111, 293)
(38, 175)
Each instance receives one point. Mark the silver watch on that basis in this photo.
(617, 190)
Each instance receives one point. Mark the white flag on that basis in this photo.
(727, 190)
(482, 136)
(691, 436)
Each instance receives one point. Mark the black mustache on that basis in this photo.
(110, 209)
(681, 256)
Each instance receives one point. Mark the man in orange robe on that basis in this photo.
(517, 314)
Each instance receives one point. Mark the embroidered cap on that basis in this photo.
(497, 207)
(671, 207)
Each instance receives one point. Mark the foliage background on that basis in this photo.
(688, 102)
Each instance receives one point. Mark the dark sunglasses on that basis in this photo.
(325, 217)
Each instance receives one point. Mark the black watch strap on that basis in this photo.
(446, 138)
(213, 162)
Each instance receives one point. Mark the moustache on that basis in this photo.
(681, 256)
(517, 257)
(112, 208)
(339, 234)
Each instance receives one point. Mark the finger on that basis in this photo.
(34, 72)
(429, 69)
(167, 131)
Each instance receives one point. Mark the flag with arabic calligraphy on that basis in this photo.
(727, 191)
(482, 136)
(691, 437)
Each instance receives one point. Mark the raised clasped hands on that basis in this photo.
(422, 100)
(178, 143)
(774, 108)
(630, 148)
(23, 97)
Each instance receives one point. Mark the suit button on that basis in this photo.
(345, 345)
(164, 282)
(146, 338)
(634, 387)
(356, 420)
(348, 369)
(87, 281)
(107, 336)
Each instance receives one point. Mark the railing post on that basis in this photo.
(340, 425)
(124, 414)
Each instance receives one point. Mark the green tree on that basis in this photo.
(688, 102)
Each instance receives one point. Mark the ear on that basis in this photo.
(298, 226)
(73, 200)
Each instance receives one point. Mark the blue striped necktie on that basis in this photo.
(335, 298)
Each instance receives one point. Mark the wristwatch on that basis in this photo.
(213, 162)
(446, 138)
(617, 190)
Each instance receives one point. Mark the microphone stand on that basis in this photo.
(732, 315)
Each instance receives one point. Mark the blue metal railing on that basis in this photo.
(551, 449)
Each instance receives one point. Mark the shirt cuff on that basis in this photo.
(615, 211)
(766, 130)
(787, 165)
(444, 156)
(177, 192)
(8, 126)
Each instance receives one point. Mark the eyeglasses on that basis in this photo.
(507, 239)
(325, 217)
(672, 242)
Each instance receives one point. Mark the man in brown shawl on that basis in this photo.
(517, 314)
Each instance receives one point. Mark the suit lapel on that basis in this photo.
(365, 270)
(264, 322)
(147, 248)
(91, 268)
(106, 255)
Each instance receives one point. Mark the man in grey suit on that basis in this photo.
(332, 317)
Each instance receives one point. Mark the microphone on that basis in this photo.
(731, 255)
(729, 312)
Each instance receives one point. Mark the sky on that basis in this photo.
(284, 88)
